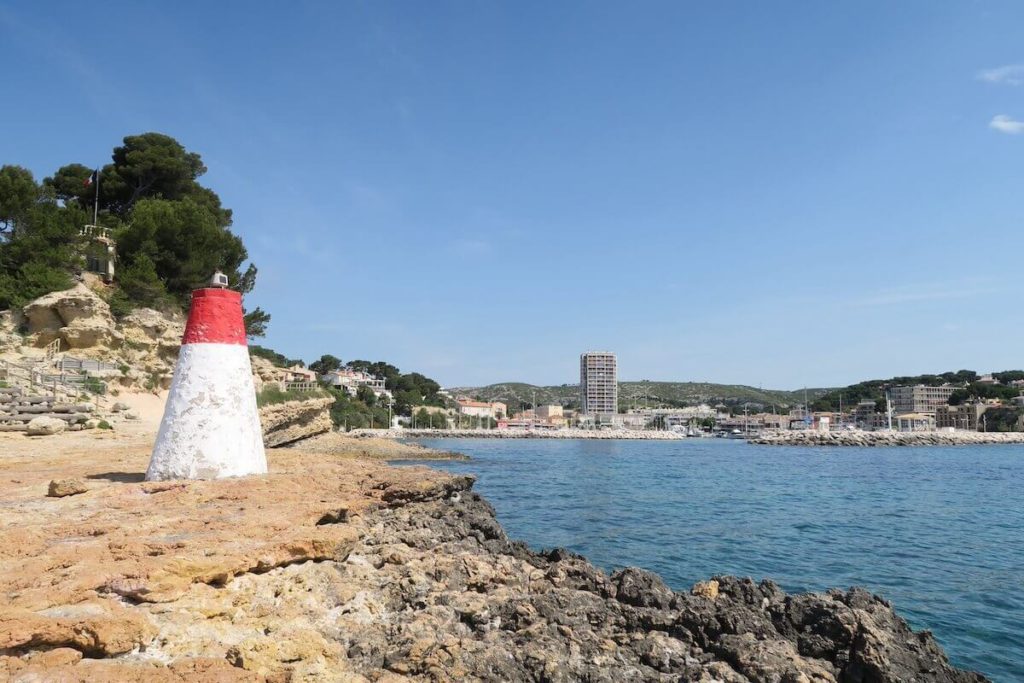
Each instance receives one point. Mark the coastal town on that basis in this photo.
(918, 408)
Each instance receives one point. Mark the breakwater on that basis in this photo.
(633, 434)
(885, 438)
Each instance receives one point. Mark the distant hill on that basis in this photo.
(658, 394)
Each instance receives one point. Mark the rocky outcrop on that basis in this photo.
(139, 351)
(152, 340)
(45, 426)
(884, 438)
(345, 570)
(76, 316)
(291, 421)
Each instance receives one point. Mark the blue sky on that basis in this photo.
(777, 194)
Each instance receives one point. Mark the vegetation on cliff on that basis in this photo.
(653, 394)
(171, 231)
(969, 388)
(410, 390)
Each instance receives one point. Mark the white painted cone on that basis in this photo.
(211, 427)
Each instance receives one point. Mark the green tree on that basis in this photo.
(257, 319)
(70, 184)
(366, 395)
(41, 256)
(279, 360)
(184, 241)
(149, 165)
(327, 363)
(18, 194)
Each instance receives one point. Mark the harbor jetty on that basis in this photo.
(884, 438)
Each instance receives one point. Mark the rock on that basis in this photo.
(291, 421)
(641, 588)
(10, 340)
(149, 327)
(119, 407)
(76, 316)
(131, 415)
(65, 487)
(335, 569)
(705, 589)
(46, 426)
(92, 423)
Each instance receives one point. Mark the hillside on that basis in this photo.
(664, 394)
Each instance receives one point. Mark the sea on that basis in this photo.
(938, 531)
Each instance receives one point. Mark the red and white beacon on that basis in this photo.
(211, 427)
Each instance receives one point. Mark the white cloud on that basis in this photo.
(1011, 74)
(1006, 124)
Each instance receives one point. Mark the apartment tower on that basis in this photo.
(599, 386)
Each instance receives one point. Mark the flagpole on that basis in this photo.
(96, 203)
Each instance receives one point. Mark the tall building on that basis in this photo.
(599, 386)
(919, 399)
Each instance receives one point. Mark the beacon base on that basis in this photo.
(211, 427)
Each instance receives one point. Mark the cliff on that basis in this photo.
(333, 569)
(142, 346)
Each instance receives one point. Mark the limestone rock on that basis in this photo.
(10, 340)
(65, 487)
(76, 316)
(46, 426)
(291, 421)
(706, 589)
(337, 569)
(147, 326)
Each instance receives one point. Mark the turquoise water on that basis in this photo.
(938, 531)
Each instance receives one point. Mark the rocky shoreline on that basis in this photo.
(342, 569)
(885, 438)
(610, 434)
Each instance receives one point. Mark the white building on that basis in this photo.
(351, 380)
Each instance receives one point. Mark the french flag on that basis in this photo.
(93, 177)
(211, 427)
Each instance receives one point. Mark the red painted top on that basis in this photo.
(215, 318)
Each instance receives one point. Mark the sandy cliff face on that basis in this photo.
(332, 569)
(144, 344)
(77, 316)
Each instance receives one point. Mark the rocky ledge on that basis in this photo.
(291, 421)
(859, 438)
(332, 569)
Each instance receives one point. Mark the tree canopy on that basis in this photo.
(172, 233)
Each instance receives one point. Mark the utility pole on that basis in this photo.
(888, 409)
(96, 201)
